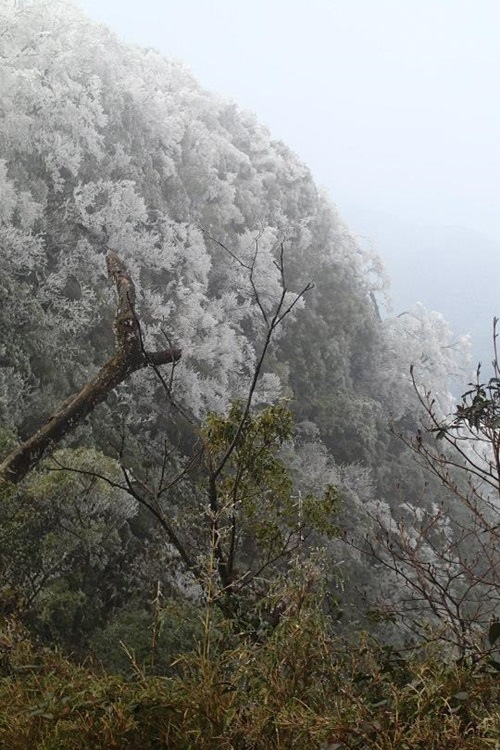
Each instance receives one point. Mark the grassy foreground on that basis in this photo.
(300, 688)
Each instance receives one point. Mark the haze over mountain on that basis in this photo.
(452, 269)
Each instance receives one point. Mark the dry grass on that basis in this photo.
(299, 689)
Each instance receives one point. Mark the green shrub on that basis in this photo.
(300, 688)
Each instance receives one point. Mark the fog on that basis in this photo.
(393, 105)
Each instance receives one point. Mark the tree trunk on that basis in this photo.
(129, 356)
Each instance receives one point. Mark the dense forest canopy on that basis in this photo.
(105, 149)
(109, 147)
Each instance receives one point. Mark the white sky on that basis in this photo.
(394, 104)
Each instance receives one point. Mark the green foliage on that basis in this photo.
(480, 407)
(319, 513)
(257, 478)
(266, 429)
(155, 638)
(478, 413)
(63, 535)
(7, 441)
(259, 517)
(254, 481)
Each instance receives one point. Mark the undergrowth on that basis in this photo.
(299, 687)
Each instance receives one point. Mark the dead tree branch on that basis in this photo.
(128, 357)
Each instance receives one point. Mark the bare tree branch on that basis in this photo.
(128, 357)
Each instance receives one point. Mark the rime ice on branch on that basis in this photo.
(128, 357)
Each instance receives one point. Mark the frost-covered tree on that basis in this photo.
(421, 340)
(110, 148)
(115, 147)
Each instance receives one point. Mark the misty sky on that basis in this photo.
(392, 103)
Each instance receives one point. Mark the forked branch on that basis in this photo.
(129, 356)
